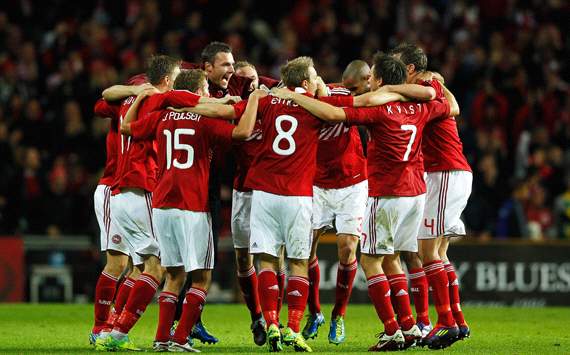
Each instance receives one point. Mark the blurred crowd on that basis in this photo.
(503, 59)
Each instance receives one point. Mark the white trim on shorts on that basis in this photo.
(240, 219)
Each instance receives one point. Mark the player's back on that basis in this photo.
(441, 146)
(184, 144)
(286, 162)
(395, 163)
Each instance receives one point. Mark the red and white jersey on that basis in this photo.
(441, 145)
(286, 162)
(184, 143)
(246, 150)
(104, 109)
(340, 158)
(137, 160)
(395, 163)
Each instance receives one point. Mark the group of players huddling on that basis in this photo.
(301, 171)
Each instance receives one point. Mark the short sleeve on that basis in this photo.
(438, 108)
(146, 127)
(239, 108)
(104, 109)
(220, 131)
(179, 98)
(338, 100)
(362, 115)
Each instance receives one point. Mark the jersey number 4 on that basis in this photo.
(285, 135)
(179, 146)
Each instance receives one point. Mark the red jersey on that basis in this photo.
(441, 145)
(137, 160)
(184, 142)
(340, 158)
(395, 163)
(286, 162)
(246, 150)
(104, 109)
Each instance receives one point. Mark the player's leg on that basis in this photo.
(281, 278)
(192, 308)
(454, 299)
(167, 302)
(376, 242)
(315, 318)
(419, 288)
(123, 292)
(268, 297)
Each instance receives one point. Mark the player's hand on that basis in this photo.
(282, 93)
(148, 92)
(138, 89)
(229, 100)
(259, 93)
(437, 76)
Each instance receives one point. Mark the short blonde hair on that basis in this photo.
(243, 64)
(190, 79)
(295, 71)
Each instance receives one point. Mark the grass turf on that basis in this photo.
(34, 329)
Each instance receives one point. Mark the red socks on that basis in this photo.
(420, 292)
(248, 284)
(191, 310)
(314, 281)
(166, 309)
(379, 293)
(121, 299)
(344, 279)
(281, 277)
(268, 296)
(141, 295)
(401, 300)
(454, 294)
(298, 292)
(104, 294)
(437, 279)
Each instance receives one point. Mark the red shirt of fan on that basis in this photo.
(104, 109)
(441, 145)
(246, 150)
(395, 163)
(286, 162)
(184, 143)
(340, 158)
(137, 160)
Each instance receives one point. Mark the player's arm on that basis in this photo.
(412, 91)
(226, 100)
(119, 92)
(245, 126)
(226, 112)
(453, 105)
(377, 98)
(133, 111)
(320, 109)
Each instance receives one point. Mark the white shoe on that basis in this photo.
(412, 336)
(392, 342)
(160, 346)
(174, 347)
(425, 330)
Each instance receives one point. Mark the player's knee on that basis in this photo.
(347, 248)
(244, 260)
(116, 264)
(299, 267)
(152, 267)
(202, 279)
(412, 259)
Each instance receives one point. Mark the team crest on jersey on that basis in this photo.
(116, 239)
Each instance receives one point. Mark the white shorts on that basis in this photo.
(241, 208)
(131, 212)
(185, 238)
(101, 202)
(392, 224)
(281, 220)
(341, 209)
(447, 195)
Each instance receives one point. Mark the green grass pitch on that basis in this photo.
(64, 329)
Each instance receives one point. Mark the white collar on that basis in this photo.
(300, 90)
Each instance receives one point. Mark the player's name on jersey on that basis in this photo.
(278, 101)
(409, 109)
(177, 116)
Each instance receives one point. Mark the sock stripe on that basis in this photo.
(298, 278)
(109, 276)
(417, 275)
(376, 279)
(348, 267)
(436, 265)
(129, 282)
(314, 264)
(149, 280)
(246, 273)
(197, 292)
(266, 270)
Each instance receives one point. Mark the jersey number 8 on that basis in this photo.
(285, 135)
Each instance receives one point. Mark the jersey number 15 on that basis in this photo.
(179, 146)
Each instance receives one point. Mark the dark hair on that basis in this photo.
(295, 71)
(159, 66)
(190, 79)
(210, 51)
(391, 70)
(411, 54)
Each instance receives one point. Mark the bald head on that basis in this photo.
(355, 77)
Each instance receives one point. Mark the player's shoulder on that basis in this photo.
(336, 89)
